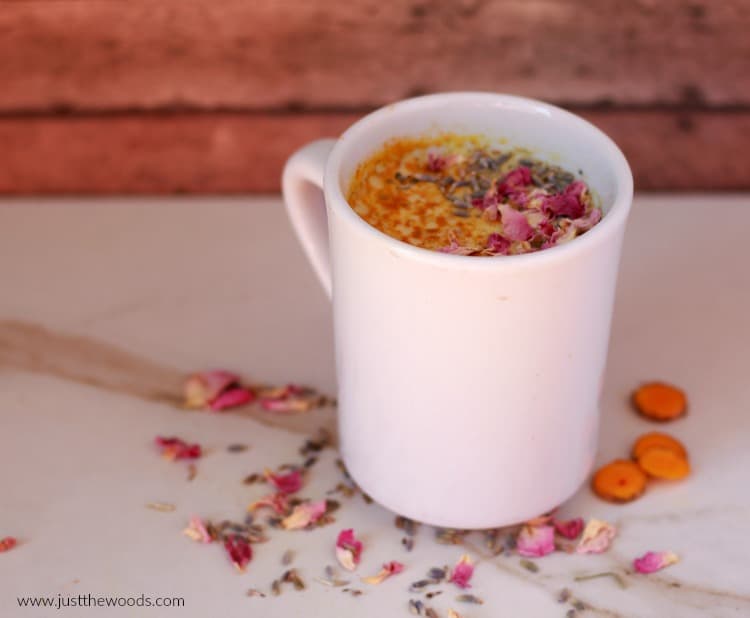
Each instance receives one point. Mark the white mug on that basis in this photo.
(468, 386)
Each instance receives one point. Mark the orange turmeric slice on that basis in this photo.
(660, 402)
(619, 481)
(664, 463)
(662, 440)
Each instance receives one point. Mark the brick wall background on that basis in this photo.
(211, 96)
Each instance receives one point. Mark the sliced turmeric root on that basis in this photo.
(660, 402)
(664, 463)
(619, 481)
(662, 440)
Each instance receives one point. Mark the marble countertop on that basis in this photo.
(106, 304)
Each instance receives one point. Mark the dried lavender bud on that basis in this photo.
(437, 574)
(237, 448)
(418, 585)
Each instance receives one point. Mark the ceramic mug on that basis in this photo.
(468, 386)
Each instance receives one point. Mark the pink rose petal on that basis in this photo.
(239, 550)
(202, 388)
(597, 537)
(651, 562)
(197, 531)
(389, 568)
(289, 398)
(436, 162)
(174, 448)
(515, 180)
(232, 398)
(462, 572)
(348, 549)
(521, 198)
(568, 203)
(7, 543)
(455, 249)
(535, 541)
(491, 213)
(570, 529)
(588, 221)
(285, 483)
(546, 228)
(515, 224)
(278, 502)
(565, 234)
(304, 514)
(498, 244)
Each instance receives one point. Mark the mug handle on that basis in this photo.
(302, 187)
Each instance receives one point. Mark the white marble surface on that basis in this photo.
(105, 305)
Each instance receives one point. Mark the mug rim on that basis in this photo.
(610, 223)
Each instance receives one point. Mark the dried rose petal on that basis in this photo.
(565, 233)
(304, 514)
(515, 224)
(569, 203)
(515, 180)
(289, 398)
(490, 198)
(588, 221)
(278, 502)
(285, 483)
(239, 551)
(597, 537)
(348, 549)
(202, 388)
(491, 212)
(498, 244)
(282, 392)
(570, 529)
(455, 249)
(651, 561)
(232, 398)
(435, 161)
(197, 531)
(7, 543)
(546, 228)
(389, 568)
(462, 572)
(290, 404)
(174, 448)
(536, 541)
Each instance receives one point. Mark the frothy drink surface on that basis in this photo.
(459, 194)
